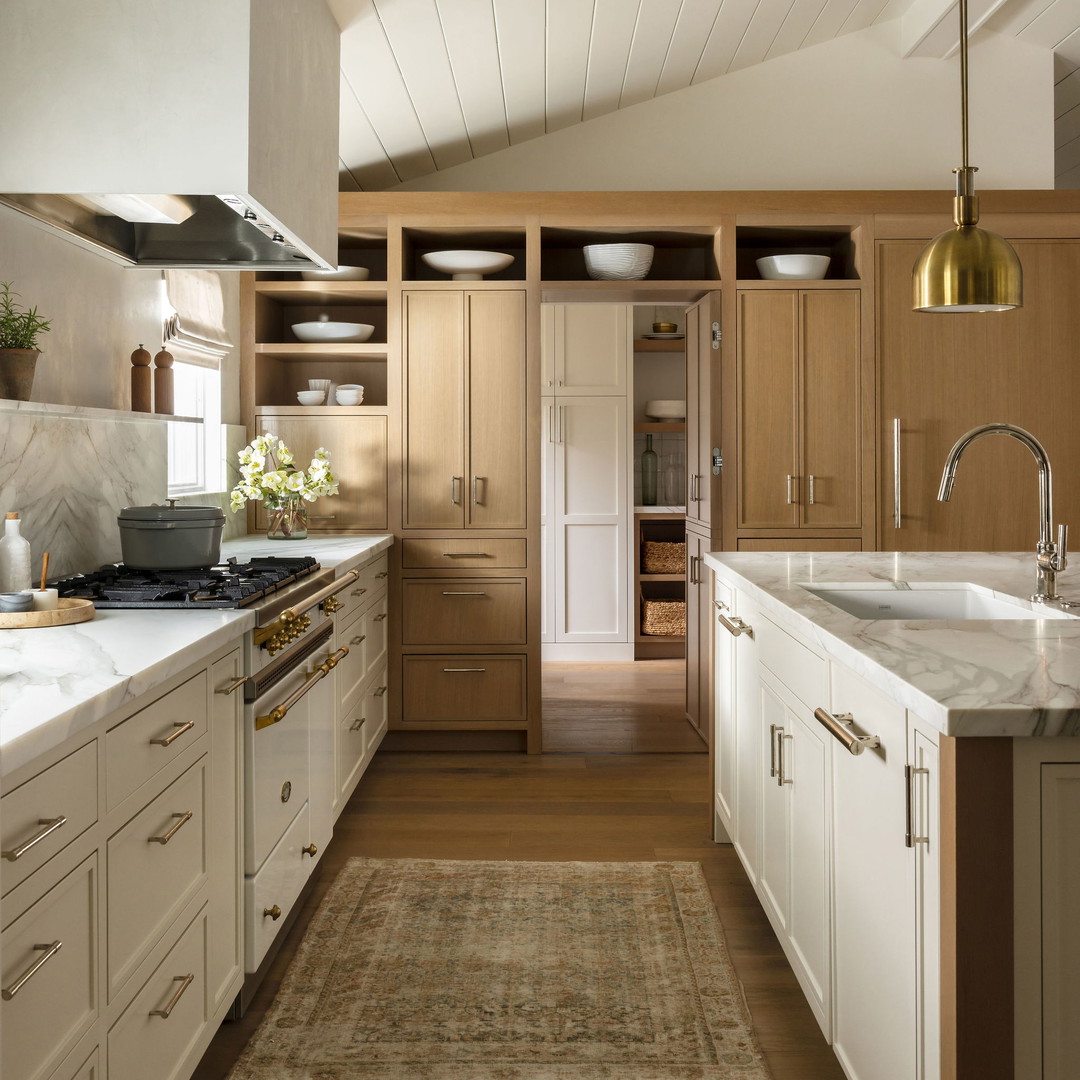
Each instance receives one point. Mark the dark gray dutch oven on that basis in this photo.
(171, 537)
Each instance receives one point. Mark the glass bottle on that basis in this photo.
(14, 557)
(650, 466)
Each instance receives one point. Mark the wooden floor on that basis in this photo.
(563, 806)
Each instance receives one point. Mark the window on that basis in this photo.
(196, 457)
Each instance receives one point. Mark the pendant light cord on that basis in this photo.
(964, 80)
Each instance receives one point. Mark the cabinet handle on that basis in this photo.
(551, 421)
(380, 690)
(475, 498)
(181, 727)
(773, 729)
(164, 838)
(464, 554)
(321, 517)
(694, 496)
(185, 981)
(690, 579)
(380, 617)
(50, 951)
(274, 912)
(453, 490)
(559, 420)
(734, 626)
(358, 592)
(457, 669)
(810, 489)
(358, 639)
(356, 725)
(382, 574)
(234, 685)
(897, 513)
(910, 839)
(790, 489)
(292, 615)
(311, 849)
(461, 592)
(781, 759)
(278, 713)
(834, 724)
(50, 826)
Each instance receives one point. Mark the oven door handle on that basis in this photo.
(279, 712)
(336, 586)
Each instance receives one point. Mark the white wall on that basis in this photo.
(850, 113)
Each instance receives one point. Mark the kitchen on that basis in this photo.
(55, 275)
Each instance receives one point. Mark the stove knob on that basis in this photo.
(331, 604)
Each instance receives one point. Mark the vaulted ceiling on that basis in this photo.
(428, 84)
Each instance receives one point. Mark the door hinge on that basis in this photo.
(716, 335)
(717, 461)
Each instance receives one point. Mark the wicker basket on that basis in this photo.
(663, 618)
(661, 557)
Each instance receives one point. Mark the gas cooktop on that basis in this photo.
(235, 584)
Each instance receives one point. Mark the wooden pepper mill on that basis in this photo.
(140, 380)
(163, 382)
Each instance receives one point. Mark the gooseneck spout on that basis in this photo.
(1050, 558)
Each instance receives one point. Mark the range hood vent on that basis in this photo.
(164, 135)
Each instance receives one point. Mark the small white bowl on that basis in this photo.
(618, 262)
(793, 267)
(467, 265)
(342, 273)
(350, 386)
(348, 397)
(326, 331)
(669, 409)
(319, 384)
(311, 397)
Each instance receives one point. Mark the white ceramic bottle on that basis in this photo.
(14, 557)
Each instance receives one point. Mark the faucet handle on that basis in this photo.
(1060, 559)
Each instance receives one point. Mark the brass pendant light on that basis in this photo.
(967, 268)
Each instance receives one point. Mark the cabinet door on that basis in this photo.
(926, 839)
(700, 391)
(587, 347)
(775, 879)
(547, 517)
(433, 417)
(748, 745)
(724, 711)
(497, 423)
(698, 636)
(357, 446)
(768, 371)
(831, 409)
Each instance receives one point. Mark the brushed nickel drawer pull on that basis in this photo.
(49, 952)
(358, 592)
(380, 690)
(810, 489)
(734, 626)
(356, 725)
(321, 517)
(185, 981)
(462, 593)
(234, 685)
(898, 515)
(274, 912)
(382, 574)
(834, 724)
(453, 490)
(181, 727)
(456, 669)
(379, 617)
(464, 554)
(773, 729)
(50, 826)
(359, 639)
(910, 839)
(781, 759)
(183, 819)
(790, 491)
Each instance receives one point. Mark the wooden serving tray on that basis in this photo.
(70, 610)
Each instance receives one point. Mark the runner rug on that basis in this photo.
(417, 969)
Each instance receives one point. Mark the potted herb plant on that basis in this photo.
(20, 329)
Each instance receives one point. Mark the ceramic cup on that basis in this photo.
(16, 601)
(45, 599)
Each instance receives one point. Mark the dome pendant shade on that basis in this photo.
(967, 269)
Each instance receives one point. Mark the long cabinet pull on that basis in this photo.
(164, 838)
(462, 592)
(181, 727)
(551, 421)
(453, 490)
(228, 688)
(358, 640)
(773, 729)
(810, 489)
(464, 554)
(734, 625)
(910, 837)
(691, 571)
(291, 614)
(457, 669)
(782, 777)
(790, 489)
(278, 713)
(48, 952)
(559, 422)
(49, 826)
(185, 981)
(475, 497)
(898, 516)
(836, 725)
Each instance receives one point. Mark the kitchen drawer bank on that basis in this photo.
(910, 840)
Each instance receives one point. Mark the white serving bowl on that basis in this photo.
(668, 409)
(467, 265)
(324, 331)
(618, 262)
(800, 267)
(342, 273)
(348, 397)
(311, 397)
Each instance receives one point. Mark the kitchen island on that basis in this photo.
(904, 794)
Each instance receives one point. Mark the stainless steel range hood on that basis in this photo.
(164, 134)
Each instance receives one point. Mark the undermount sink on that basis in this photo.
(942, 600)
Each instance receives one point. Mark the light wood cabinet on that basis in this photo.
(799, 409)
(464, 413)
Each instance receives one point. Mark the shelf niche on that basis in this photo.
(679, 255)
(416, 242)
(835, 241)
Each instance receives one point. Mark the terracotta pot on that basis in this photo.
(17, 373)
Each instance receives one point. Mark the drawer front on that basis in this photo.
(89, 1069)
(143, 1035)
(368, 585)
(58, 804)
(724, 594)
(277, 884)
(463, 611)
(367, 649)
(150, 880)
(359, 730)
(136, 749)
(467, 554)
(803, 672)
(457, 688)
(56, 1005)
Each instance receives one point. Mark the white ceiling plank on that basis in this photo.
(761, 33)
(1052, 26)
(415, 34)
(652, 39)
(569, 32)
(893, 9)
(609, 51)
(1017, 14)
(864, 14)
(469, 32)
(520, 28)
(1068, 180)
(692, 29)
(830, 22)
(1067, 93)
(1066, 62)
(941, 38)
(1067, 128)
(731, 24)
(346, 181)
(368, 64)
(798, 23)
(1067, 157)
(363, 154)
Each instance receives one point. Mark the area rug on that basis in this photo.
(416, 969)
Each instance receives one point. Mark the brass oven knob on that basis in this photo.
(331, 604)
(274, 912)
(311, 849)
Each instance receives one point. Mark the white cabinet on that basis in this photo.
(724, 712)
(585, 348)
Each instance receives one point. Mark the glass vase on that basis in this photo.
(286, 518)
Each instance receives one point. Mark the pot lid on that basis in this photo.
(190, 515)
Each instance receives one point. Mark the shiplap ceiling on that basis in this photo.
(428, 84)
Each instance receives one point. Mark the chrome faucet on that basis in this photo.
(1050, 558)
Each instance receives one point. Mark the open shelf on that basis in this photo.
(322, 410)
(417, 241)
(680, 255)
(659, 427)
(670, 345)
(299, 351)
(754, 242)
(325, 293)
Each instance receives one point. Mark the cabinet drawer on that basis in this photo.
(56, 1005)
(156, 862)
(463, 688)
(136, 749)
(468, 554)
(60, 802)
(368, 585)
(177, 987)
(367, 649)
(803, 672)
(277, 884)
(464, 611)
(358, 730)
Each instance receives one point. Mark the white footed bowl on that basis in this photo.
(618, 262)
(801, 267)
(325, 331)
(342, 273)
(670, 409)
(467, 265)
(311, 397)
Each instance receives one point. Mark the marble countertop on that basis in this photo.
(978, 677)
(57, 681)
